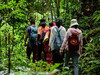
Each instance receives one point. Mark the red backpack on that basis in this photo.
(73, 42)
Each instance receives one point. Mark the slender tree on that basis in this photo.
(0, 43)
(51, 10)
(5, 39)
(9, 56)
(57, 6)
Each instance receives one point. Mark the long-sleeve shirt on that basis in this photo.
(69, 32)
(53, 33)
(41, 29)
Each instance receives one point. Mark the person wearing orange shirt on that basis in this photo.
(41, 34)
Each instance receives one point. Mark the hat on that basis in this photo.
(58, 20)
(42, 20)
(73, 22)
(54, 24)
(42, 23)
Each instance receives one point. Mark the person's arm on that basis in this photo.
(63, 32)
(39, 32)
(65, 43)
(27, 34)
(81, 43)
(52, 36)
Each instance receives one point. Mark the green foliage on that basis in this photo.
(41, 66)
(14, 19)
(96, 18)
(89, 62)
(87, 23)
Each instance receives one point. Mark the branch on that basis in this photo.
(92, 33)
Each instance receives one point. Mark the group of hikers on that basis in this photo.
(55, 42)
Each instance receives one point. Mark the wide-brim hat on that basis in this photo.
(74, 22)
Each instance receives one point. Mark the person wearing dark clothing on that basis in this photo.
(41, 34)
(32, 45)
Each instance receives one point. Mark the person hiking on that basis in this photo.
(32, 45)
(41, 34)
(46, 43)
(56, 38)
(72, 44)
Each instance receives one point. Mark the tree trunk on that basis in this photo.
(51, 10)
(13, 23)
(9, 63)
(0, 45)
(5, 41)
(57, 6)
(65, 8)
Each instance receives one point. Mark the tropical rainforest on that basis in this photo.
(15, 17)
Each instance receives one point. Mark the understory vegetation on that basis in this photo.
(14, 20)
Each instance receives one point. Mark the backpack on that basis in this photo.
(33, 33)
(57, 41)
(42, 35)
(47, 36)
(73, 42)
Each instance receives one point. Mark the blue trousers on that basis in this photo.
(74, 56)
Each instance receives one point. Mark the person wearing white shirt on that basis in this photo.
(57, 58)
